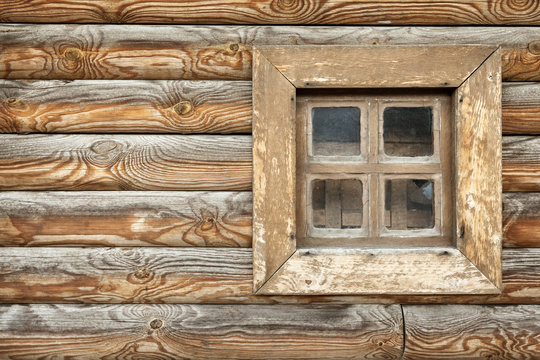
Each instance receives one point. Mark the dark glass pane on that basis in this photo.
(408, 204)
(336, 131)
(337, 203)
(408, 131)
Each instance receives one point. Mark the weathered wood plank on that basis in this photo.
(125, 162)
(217, 52)
(521, 163)
(458, 12)
(175, 106)
(170, 218)
(471, 332)
(521, 219)
(125, 106)
(201, 331)
(196, 275)
(130, 218)
(521, 108)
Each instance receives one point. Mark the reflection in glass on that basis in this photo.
(337, 203)
(336, 131)
(408, 204)
(408, 131)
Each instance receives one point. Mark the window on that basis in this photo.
(377, 170)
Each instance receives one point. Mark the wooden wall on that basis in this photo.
(125, 184)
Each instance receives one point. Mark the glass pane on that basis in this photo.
(337, 203)
(408, 204)
(336, 131)
(408, 131)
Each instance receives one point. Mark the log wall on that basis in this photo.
(125, 184)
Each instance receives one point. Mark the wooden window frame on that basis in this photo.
(473, 266)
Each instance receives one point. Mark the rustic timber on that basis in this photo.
(521, 219)
(125, 106)
(139, 106)
(459, 12)
(471, 332)
(521, 108)
(78, 218)
(274, 170)
(197, 275)
(478, 168)
(201, 331)
(218, 52)
(521, 163)
(131, 218)
(125, 162)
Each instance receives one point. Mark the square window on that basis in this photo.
(408, 131)
(336, 131)
(337, 203)
(409, 204)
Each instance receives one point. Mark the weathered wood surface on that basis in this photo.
(125, 162)
(521, 108)
(521, 163)
(200, 331)
(521, 219)
(125, 106)
(478, 168)
(112, 218)
(175, 106)
(471, 332)
(458, 12)
(131, 218)
(274, 169)
(196, 275)
(217, 52)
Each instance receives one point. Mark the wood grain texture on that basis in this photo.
(197, 275)
(340, 66)
(472, 332)
(131, 218)
(477, 168)
(201, 331)
(170, 218)
(125, 162)
(521, 108)
(217, 52)
(521, 219)
(160, 106)
(125, 106)
(521, 163)
(459, 12)
(274, 170)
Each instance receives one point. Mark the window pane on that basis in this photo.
(409, 204)
(336, 131)
(337, 204)
(408, 131)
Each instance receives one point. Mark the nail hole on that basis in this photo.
(308, 282)
(462, 231)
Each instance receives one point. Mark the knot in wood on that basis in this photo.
(142, 273)
(534, 47)
(104, 147)
(12, 101)
(156, 324)
(183, 108)
(234, 47)
(73, 54)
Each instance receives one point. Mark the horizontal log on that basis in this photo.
(125, 106)
(458, 12)
(219, 52)
(521, 163)
(125, 162)
(471, 332)
(201, 331)
(521, 219)
(521, 108)
(131, 218)
(110, 218)
(197, 275)
(152, 106)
